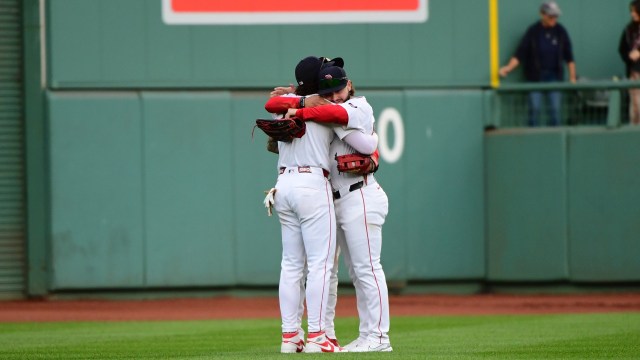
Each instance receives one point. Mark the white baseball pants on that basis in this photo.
(304, 204)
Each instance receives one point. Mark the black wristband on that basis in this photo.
(301, 105)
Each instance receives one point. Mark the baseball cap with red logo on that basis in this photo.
(331, 79)
(308, 68)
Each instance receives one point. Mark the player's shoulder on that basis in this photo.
(358, 102)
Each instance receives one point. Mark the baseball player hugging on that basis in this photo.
(360, 206)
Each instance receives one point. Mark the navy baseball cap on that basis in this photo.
(331, 79)
(308, 68)
(337, 61)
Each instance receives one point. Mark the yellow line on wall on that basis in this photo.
(494, 50)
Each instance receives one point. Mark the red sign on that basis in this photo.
(237, 12)
(291, 6)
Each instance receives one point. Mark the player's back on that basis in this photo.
(312, 149)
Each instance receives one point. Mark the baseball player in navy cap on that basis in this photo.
(307, 80)
(361, 207)
(305, 216)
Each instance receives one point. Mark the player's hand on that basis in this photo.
(503, 71)
(290, 113)
(634, 55)
(281, 90)
(269, 200)
(315, 100)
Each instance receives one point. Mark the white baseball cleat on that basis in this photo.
(292, 343)
(318, 343)
(354, 343)
(364, 345)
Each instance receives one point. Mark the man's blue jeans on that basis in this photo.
(553, 106)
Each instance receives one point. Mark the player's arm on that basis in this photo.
(282, 90)
(330, 113)
(367, 147)
(356, 113)
(375, 160)
(357, 164)
(363, 143)
(280, 104)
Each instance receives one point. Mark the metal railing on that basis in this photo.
(585, 103)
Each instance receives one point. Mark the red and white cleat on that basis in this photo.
(334, 341)
(292, 343)
(318, 342)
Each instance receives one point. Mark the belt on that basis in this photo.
(337, 194)
(304, 170)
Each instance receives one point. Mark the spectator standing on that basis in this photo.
(629, 50)
(543, 50)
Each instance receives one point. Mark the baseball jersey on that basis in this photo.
(310, 149)
(355, 112)
(360, 119)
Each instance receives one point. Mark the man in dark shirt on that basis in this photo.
(629, 50)
(543, 50)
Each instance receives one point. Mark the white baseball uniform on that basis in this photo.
(361, 206)
(304, 204)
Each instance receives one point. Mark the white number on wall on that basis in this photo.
(390, 117)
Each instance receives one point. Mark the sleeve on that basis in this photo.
(356, 113)
(624, 49)
(360, 114)
(330, 113)
(280, 104)
(362, 143)
(521, 51)
(568, 48)
(523, 47)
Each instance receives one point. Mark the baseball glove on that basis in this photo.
(272, 145)
(355, 164)
(282, 129)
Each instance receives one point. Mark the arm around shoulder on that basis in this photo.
(324, 114)
(361, 142)
(280, 104)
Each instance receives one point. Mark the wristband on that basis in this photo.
(301, 104)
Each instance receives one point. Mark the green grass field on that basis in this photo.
(576, 336)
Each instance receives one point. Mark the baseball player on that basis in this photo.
(361, 206)
(306, 75)
(305, 208)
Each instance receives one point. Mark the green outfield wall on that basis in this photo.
(562, 205)
(165, 189)
(143, 172)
